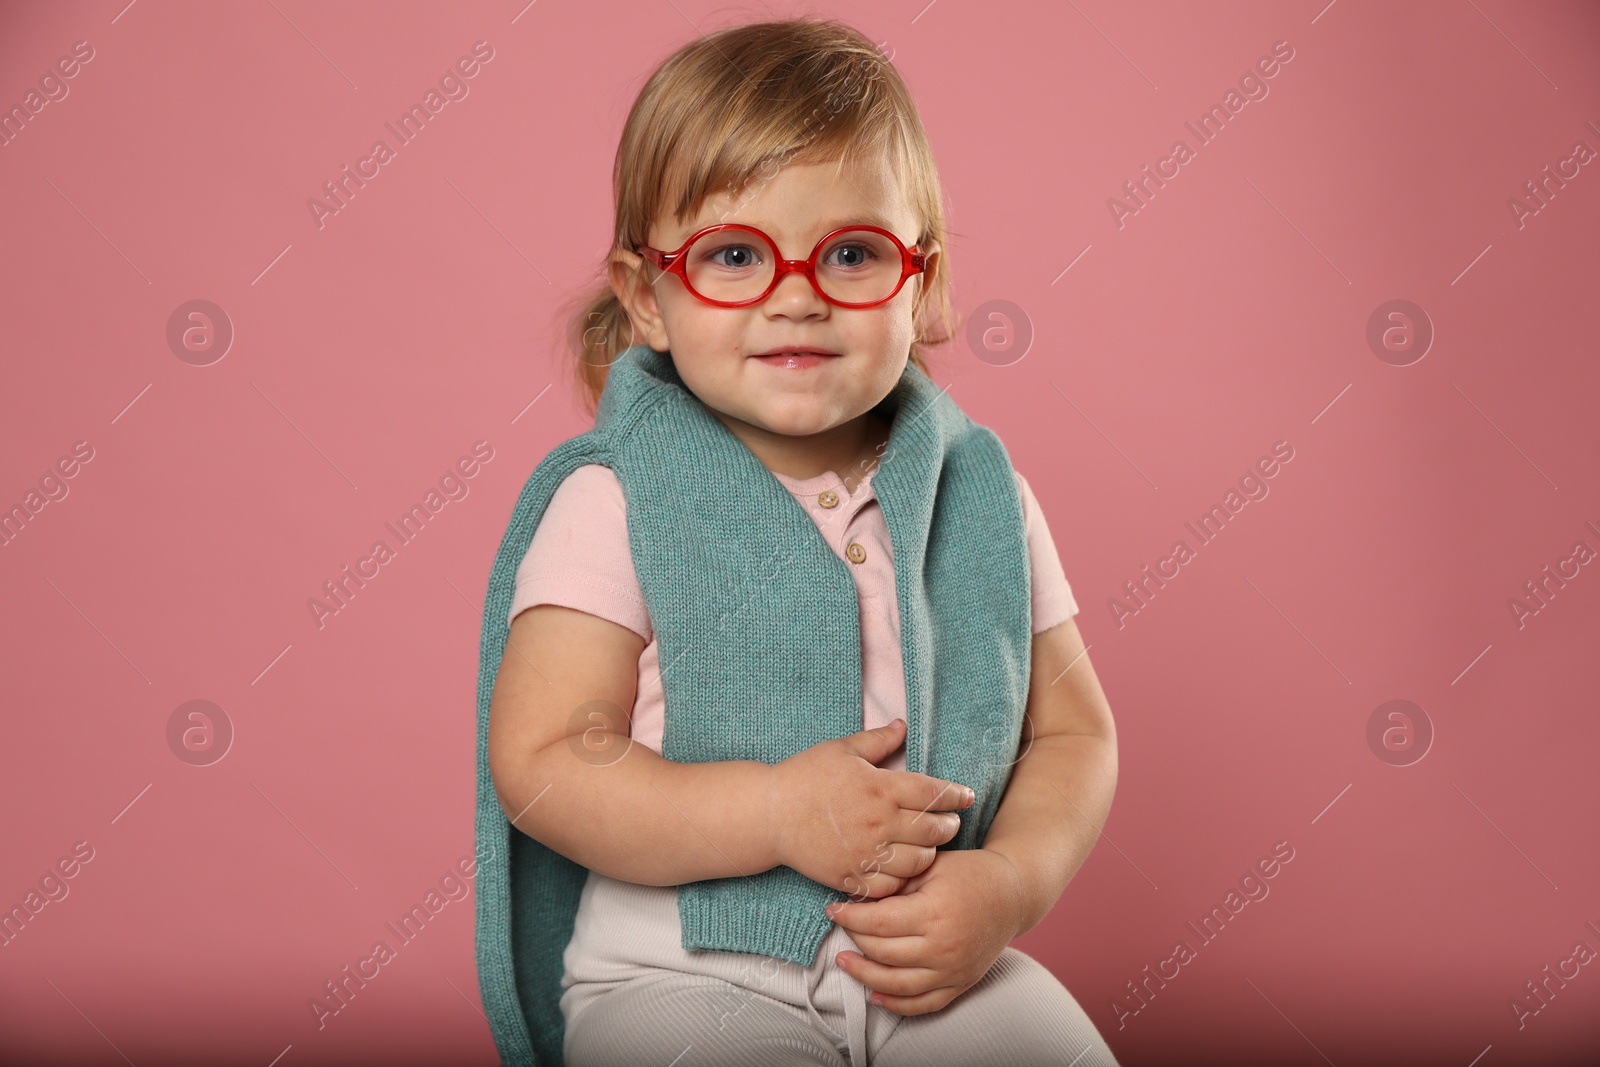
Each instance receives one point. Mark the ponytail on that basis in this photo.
(598, 331)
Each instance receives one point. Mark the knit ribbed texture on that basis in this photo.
(758, 629)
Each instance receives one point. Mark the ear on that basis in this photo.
(631, 277)
(930, 261)
(930, 253)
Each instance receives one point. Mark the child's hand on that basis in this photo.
(925, 946)
(839, 820)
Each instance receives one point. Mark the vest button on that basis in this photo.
(855, 552)
(828, 499)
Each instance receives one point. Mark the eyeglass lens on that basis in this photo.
(856, 266)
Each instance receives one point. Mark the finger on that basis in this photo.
(930, 1001)
(876, 744)
(926, 793)
(868, 886)
(908, 951)
(896, 916)
(904, 860)
(930, 828)
(910, 981)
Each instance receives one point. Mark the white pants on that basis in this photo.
(632, 995)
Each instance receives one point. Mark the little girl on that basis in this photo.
(764, 651)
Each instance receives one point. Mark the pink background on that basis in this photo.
(1226, 315)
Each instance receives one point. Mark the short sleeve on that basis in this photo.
(579, 556)
(1053, 602)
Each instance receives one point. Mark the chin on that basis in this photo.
(795, 423)
(795, 427)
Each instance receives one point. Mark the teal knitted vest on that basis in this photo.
(759, 636)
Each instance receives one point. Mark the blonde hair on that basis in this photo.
(738, 105)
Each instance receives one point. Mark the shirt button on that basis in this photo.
(855, 552)
(828, 499)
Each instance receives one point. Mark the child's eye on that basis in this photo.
(739, 256)
(853, 255)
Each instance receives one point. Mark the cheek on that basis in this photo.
(706, 330)
(897, 330)
(708, 365)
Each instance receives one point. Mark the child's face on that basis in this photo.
(712, 346)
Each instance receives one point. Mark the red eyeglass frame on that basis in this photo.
(912, 261)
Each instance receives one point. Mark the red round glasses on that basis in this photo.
(874, 265)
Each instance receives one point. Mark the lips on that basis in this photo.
(795, 358)
(794, 350)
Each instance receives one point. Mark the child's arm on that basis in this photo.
(1060, 789)
(577, 784)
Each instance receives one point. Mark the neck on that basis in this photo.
(851, 450)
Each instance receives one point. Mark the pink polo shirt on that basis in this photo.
(579, 558)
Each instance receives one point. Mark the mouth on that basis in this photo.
(795, 357)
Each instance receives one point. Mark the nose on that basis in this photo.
(795, 295)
